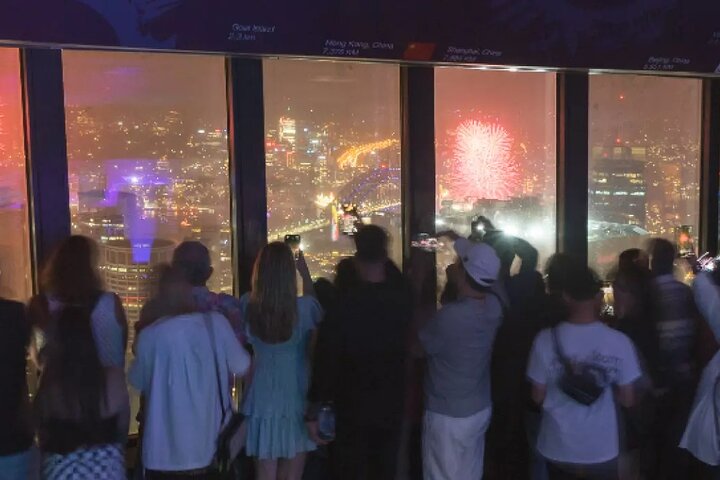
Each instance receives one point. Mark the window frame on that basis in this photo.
(46, 157)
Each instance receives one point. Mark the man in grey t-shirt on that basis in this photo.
(458, 343)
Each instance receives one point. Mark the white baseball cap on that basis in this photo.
(479, 260)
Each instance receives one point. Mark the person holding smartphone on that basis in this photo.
(458, 343)
(360, 362)
(281, 327)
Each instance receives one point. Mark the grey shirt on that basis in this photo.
(458, 342)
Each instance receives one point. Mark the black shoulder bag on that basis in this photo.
(231, 439)
(578, 384)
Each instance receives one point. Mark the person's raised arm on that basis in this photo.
(304, 271)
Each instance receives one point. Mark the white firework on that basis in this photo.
(483, 166)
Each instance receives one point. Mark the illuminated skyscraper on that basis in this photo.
(287, 130)
(617, 185)
(103, 225)
(130, 269)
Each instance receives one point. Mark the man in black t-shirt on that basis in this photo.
(16, 435)
(361, 360)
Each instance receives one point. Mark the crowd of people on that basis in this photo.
(514, 376)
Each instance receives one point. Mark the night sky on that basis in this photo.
(194, 84)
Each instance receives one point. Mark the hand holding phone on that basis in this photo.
(301, 264)
(293, 241)
(425, 242)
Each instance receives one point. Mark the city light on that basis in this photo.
(483, 166)
(322, 200)
(351, 157)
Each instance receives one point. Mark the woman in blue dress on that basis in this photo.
(280, 329)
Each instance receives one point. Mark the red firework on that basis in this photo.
(483, 166)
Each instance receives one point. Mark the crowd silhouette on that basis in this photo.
(509, 375)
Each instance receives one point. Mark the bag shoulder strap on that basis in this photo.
(211, 334)
(564, 360)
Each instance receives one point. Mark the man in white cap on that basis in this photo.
(458, 343)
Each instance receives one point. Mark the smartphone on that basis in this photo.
(349, 219)
(293, 241)
(425, 242)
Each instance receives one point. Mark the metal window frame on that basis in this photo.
(45, 151)
(417, 85)
(41, 72)
(246, 142)
(709, 166)
(572, 137)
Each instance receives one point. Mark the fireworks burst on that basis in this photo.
(483, 166)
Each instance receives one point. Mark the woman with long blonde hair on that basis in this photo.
(281, 326)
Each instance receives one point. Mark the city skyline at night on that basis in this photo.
(345, 149)
(344, 140)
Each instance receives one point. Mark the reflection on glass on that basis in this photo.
(644, 164)
(148, 164)
(495, 155)
(332, 155)
(15, 269)
(15, 264)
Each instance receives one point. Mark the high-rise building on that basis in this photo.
(103, 225)
(287, 130)
(130, 269)
(618, 185)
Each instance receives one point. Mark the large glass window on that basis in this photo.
(15, 265)
(644, 163)
(495, 154)
(332, 147)
(148, 164)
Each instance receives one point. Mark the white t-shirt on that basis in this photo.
(175, 370)
(571, 432)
